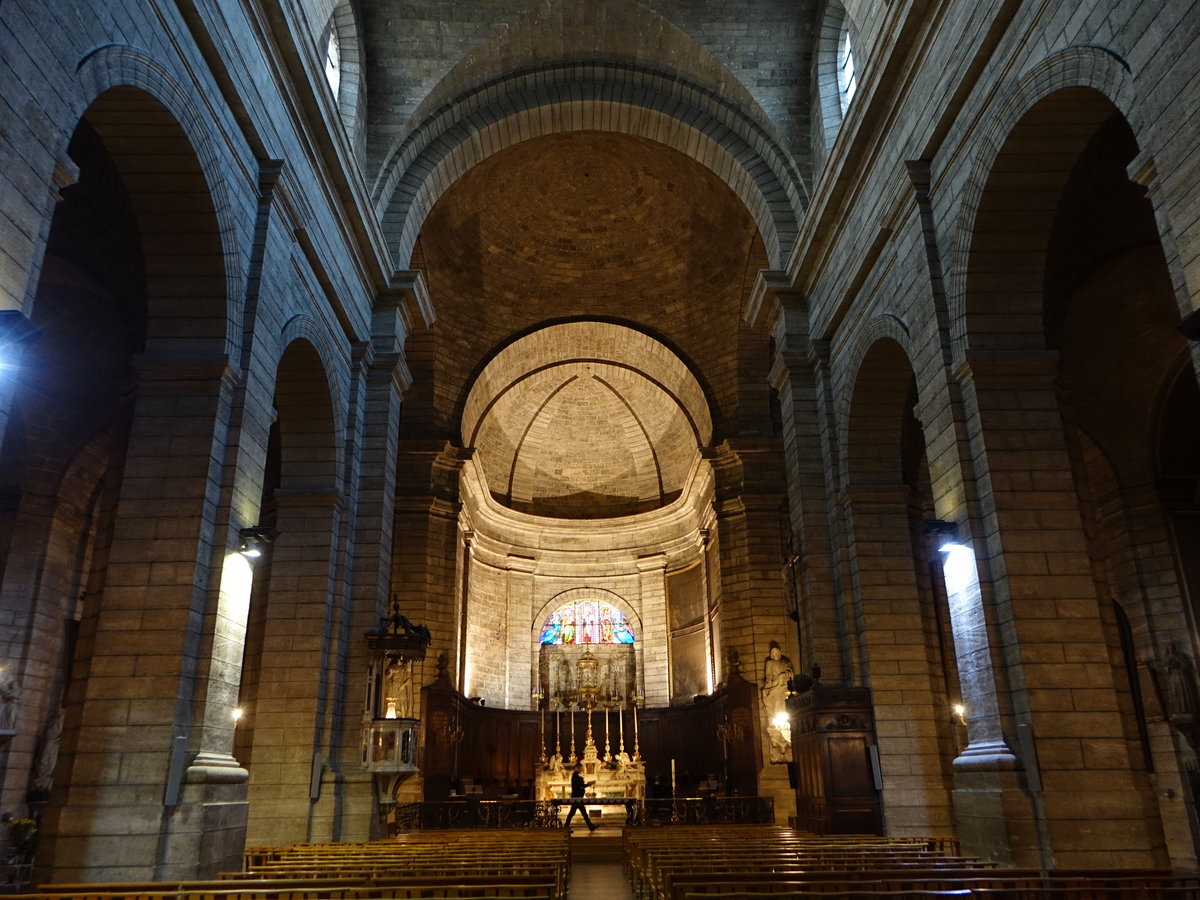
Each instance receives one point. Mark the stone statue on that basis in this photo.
(10, 699)
(777, 669)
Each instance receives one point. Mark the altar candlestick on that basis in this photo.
(607, 748)
(572, 735)
(542, 731)
(637, 750)
(621, 719)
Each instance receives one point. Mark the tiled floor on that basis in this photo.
(598, 881)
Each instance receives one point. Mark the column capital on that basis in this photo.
(184, 368)
(999, 367)
(526, 565)
(655, 562)
(1143, 171)
(772, 290)
(406, 290)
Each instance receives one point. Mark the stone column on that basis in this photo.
(145, 639)
(292, 692)
(654, 673)
(895, 650)
(379, 380)
(1085, 800)
(799, 375)
(521, 658)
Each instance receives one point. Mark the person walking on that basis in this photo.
(578, 786)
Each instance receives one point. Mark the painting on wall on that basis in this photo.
(689, 666)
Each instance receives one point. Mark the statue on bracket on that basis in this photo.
(777, 673)
(777, 669)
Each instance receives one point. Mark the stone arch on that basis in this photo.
(882, 331)
(351, 95)
(901, 618)
(193, 264)
(304, 401)
(835, 24)
(294, 603)
(1060, 102)
(617, 98)
(586, 593)
(881, 386)
(303, 328)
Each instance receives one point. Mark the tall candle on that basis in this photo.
(607, 748)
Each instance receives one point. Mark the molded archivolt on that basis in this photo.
(586, 420)
(506, 93)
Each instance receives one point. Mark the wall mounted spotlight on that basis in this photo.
(15, 331)
(254, 540)
(960, 713)
(946, 533)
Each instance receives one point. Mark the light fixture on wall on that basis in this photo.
(254, 540)
(945, 532)
(960, 714)
(15, 330)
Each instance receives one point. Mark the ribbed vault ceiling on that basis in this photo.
(587, 224)
(586, 420)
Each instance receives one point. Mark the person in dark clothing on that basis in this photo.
(578, 786)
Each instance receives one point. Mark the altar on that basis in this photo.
(616, 777)
(611, 776)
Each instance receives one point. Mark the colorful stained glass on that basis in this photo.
(586, 622)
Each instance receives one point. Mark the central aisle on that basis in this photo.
(597, 872)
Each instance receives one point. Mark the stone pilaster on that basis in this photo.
(147, 633)
(655, 673)
(1085, 802)
(800, 377)
(378, 382)
(292, 690)
(896, 662)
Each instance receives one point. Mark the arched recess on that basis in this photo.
(835, 36)
(1064, 314)
(903, 622)
(586, 419)
(617, 98)
(1025, 156)
(619, 672)
(193, 264)
(295, 639)
(125, 384)
(343, 32)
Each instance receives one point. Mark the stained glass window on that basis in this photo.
(586, 622)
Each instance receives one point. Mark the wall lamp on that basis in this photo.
(960, 714)
(15, 330)
(254, 540)
(946, 533)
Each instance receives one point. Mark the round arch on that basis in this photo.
(616, 98)
(193, 264)
(880, 360)
(575, 594)
(309, 449)
(1059, 104)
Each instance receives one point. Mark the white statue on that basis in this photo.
(776, 671)
(10, 698)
